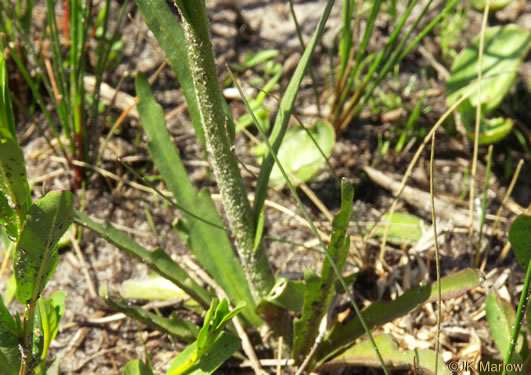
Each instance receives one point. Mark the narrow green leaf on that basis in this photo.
(363, 354)
(320, 290)
(163, 23)
(36, 253)
(136, 367)
(7, 120)
(14, 189)
(501, 318)
(299, 155)
(51, 312)
(223, 347)
(379, 313)
(156, 260)
(520, 238)
(284, 112)
(208, 243)
(175, 326)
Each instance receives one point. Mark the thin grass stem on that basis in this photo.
(483, 206)
(437, 265)
(473, 170)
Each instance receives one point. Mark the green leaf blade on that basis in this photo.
(209, 243)
(363, 354)
(501, 318)
(36, 252)
(170, 35)
(520, 238)
(51, 312)
(379, 313)
(14, 188)
(136, 367)
(156, 260)
(222, 348)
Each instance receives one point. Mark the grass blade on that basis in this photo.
(170, 35)
(175, 326)
(284, 113)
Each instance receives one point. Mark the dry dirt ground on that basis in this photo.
(95, 340)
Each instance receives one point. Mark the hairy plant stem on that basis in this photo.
(209, 98)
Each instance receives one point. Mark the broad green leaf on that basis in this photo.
(156, 260)
(520, 238)
(320, 290)
(175, 326)
(36, 253)
(493, 4)
(9, 351)
(163, 24)
(51, 311)
(504, 49)
(14, 189)
(501, 317)
(209, 243)
(136, 367)
(379, 313)
(363, 354)
(155, 287)
(404, 228)
(284, 112)
(299, 155)
(223, 347)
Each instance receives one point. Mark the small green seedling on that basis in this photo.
(212, 347)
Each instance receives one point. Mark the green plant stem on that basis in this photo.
(208, 93)
(524, 298)
(28, 364)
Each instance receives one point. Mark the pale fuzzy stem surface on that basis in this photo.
(237, 207)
